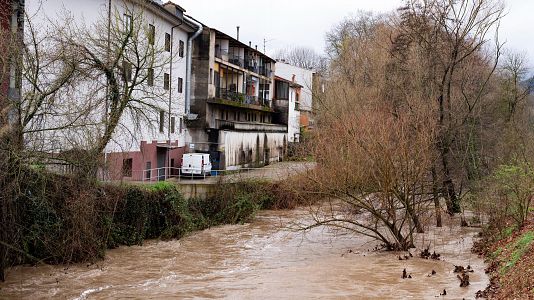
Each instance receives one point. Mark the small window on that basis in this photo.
(167, 42)
(173, 124)
(181, 48)
(128, 24)
(127, 167)
(211, 76)
(180, 85)
(150, 77)
(161, 120)
(166, 81)
(127, 70)
(148, 170)
(151, 34)
(181, 125)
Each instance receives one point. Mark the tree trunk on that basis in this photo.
(435, 195)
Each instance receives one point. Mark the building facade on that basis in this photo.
(287, 94)
(307, 79)
(11, 28)
(232, 116)
(154, 151)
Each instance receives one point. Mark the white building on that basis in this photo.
(287, 95)
(304, 78)
(137, 151)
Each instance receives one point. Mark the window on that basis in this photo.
(181, 48)
(127, 167)
(166, 81)
(281, 90)
(173, 124)
(167, 42)
(180, 85)
(128, 24)
(127, 70)
(161, 120)
(151, 34)
(181, 125)
(211, 76)
(148, 172)
(150, 77)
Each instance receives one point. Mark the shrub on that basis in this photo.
(510, 192)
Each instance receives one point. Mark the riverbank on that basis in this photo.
(64, 220)
(510, 256)
(263, 259)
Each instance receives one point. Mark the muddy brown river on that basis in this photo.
(260, 260)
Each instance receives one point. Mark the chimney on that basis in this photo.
(250, 44)
(238, 33)
(256, 47)
(293, 78)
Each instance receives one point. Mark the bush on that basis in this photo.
(66, 220)
(508, 194)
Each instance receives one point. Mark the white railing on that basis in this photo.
(165, 173)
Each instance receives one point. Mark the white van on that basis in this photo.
(196, 164)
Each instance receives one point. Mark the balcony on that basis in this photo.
(248, 126)
(265, 71)
(224, 93)
(220, 53)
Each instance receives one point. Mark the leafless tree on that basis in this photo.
(515, 87)
(302, 57)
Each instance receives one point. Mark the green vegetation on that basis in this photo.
(65, 220)
(519, 248)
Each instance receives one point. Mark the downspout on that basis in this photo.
(188, 65)
(168, 172)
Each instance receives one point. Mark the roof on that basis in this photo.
(291, 83)
(175, 5)
(235, 41)
(163, 11)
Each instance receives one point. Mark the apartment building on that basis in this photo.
(309, 81)
(287, 95)
(11, 25)
(231, 114)
(154, 150)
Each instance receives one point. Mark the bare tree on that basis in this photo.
(302, 57)
(516, 90)
(120, 85)
(453, 34)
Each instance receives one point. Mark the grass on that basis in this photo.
(519, 248)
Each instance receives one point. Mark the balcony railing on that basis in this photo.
(265, 71)
(236, 60)
(249, 126)
(224, 93)
(220, 53)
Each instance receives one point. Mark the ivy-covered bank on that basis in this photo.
(65, 220)
(510, 255)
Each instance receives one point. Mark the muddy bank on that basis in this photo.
(261, 260)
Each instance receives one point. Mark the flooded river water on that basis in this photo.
(260, 260)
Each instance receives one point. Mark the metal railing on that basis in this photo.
(224, 93)
(236, 60)
(166, 173)
(220, 52)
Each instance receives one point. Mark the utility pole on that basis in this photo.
(265, 41)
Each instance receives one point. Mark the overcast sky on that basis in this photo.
(286, 23)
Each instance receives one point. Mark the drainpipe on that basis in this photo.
(168, 171)
(189, 63)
